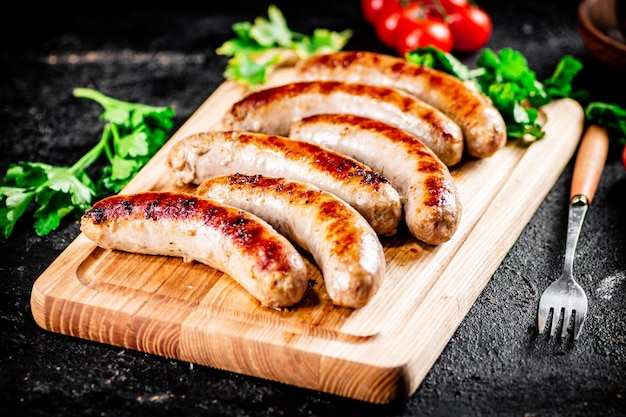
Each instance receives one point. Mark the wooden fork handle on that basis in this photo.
(590, 160)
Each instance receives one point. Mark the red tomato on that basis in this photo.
(412, 35)
(420, 10)
(624, 156)
(386, 24)
(434, 8)
(372, 8)
(471, 29)
(452, 6)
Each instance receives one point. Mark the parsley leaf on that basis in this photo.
(261, 46)
(272, 32)
(132, 134)
(560, 84)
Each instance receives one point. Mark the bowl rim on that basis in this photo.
(583, 17)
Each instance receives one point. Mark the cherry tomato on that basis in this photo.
(471, 28)
(450, 25)
(412, 34)
(435, 8)
(372, 8)
(624, 156)
(420, 10)
(452, 6)
(386, 24)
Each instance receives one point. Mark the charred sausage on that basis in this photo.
(484, 129)
(274, 109)
(343, 244)
(208, 154)
(228, 239)
(432, 206)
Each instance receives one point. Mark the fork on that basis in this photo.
(565, 294)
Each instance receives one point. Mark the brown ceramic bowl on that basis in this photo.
(599, 27)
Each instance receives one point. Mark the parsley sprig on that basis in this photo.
(132, 134)
(268, 42)
(511, 85)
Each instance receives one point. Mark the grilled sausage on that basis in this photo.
(208, 154)
(274, 109)
(432, 207)
(228, 239)
(343, 244)
(484, 129)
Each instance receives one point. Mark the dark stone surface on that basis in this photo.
(495, 363)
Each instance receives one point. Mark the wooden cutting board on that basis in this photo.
(381, 352)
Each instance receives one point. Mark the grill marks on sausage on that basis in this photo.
(483, 126)
(270, 95)
(236, 225)
(266, 96)
(462, 103)
(342, 168)
(338, 165)
(331, 211)
(340, 240)
(274, 109)
(437, 192)
(411, 145)
(207, 154)
(432, 206)
(344, 60)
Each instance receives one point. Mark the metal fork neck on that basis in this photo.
(577, 210)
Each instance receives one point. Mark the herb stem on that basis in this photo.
(91, 156)
(98, 97)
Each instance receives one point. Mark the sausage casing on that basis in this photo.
(343, 244)
(274, 109)
(432, 206)
(208, 154)
(228, 239)
(483, 127)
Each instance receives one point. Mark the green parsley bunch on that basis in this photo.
(268, 42)
(132, 134)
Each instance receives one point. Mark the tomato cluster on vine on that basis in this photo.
(450, 25)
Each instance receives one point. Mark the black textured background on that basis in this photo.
(495, 364)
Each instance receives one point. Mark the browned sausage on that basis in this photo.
(432, 206)
(484, 129)
(274, 109)
(228, 239)
(208, 154)
(343, 244)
